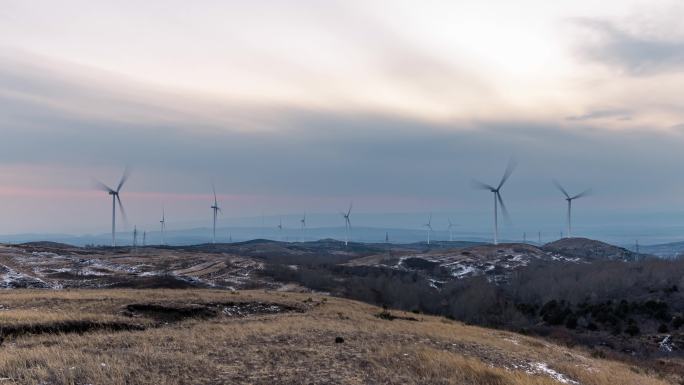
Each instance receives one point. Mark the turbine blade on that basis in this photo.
(558, 186)
(101, 186)
(583, 193)
(509, 170)
(124, 178)
(504, 211)
(122, 210)
(482, 186)
(350, 207)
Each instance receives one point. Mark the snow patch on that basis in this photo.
(666, 344)
(543, 368)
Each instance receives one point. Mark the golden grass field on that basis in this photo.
(296, 347)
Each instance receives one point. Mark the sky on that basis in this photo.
(304, 106)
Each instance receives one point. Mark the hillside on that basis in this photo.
(219, 337)
(589, 249)
(496, 262)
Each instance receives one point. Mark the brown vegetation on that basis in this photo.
(309, 339)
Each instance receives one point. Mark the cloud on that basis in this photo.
(636, 55)
(312, 154)
(617, 114)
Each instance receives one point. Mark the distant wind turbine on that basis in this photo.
(569, 199)
(215, 207)
(280, 229)
(451, 232)
(115, 198)
(303, 223)
(429, 228)
(347, 224)
(497, 198)
(163, 226)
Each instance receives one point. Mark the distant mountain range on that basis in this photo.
(199, 235)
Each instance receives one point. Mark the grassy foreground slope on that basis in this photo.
(256, 337)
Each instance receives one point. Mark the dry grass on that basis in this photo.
(287, 348)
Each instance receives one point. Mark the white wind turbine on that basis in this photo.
(280, 229)
(115, 198)
(429, 228)
(569, 199)
(163, 226)
(303, 223)
(347, 224)
(451, 232)
(497, 198)
(215, 207)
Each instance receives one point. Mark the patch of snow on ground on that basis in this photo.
(666, 344)
(12, 279)
(462, 270)
(543, 368)
(512, 340)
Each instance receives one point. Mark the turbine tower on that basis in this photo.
(451, 232)
(497, 198)
(303, 222)
(163, 226)
(429, 228)
(216, 210)
(280, 229)
(347, 224)
(569, 199)
(115, 198)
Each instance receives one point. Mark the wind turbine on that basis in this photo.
(451, 232)
(280, 229)
(569, 199)
(347, 224)
(303, 222)
(135, 236)
(115, 198)
(429, 228)
(216, 210)
(163, 225)
(497, 198)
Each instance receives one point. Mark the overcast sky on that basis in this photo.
(292, 106)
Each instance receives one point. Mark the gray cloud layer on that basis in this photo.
(323, 153)
(634, 54)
